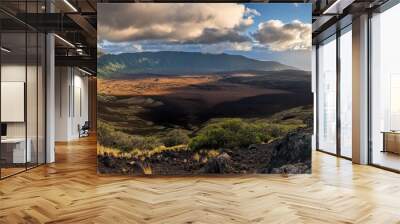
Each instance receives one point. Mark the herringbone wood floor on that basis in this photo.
(70, 191)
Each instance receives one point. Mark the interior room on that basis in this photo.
(25, 68)
(179, 112)
(22, 102)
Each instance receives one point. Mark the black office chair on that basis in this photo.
(84, 130)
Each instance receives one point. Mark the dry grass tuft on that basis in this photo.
(137, 153)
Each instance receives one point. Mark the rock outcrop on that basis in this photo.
(292, 154)
(289, 155)
(220, 164)
(298, 168)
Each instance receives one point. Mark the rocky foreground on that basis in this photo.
(291, 155)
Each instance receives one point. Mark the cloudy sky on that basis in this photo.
(279, 32)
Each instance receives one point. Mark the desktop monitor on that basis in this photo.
(3, 129)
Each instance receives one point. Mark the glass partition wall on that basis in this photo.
(334, 105)
(334, 84)
(327, 95)
(22, 98)
(385, 89)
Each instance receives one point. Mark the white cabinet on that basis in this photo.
(19, 155)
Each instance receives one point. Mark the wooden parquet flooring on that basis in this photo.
(70, 191)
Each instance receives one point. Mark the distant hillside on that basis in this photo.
(175, 63)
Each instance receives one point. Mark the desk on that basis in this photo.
(16, 147)
(391, 141)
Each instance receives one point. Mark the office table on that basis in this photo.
(391, 141)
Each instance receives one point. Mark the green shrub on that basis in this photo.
(249, 135)
(229, 133)
(105, 134)
(146, 143)
(237, 133)
(176, 137)
(222, 133)
(110, 137)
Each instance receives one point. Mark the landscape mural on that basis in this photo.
(197, 89)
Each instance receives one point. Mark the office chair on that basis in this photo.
(84, 130)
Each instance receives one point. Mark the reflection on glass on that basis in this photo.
(395, 102)
(22, 90)
(14, 153)
(327, 96)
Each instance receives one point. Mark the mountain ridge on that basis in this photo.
(179, 62)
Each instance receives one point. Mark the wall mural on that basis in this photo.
(194, 89)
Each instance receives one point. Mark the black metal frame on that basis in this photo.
(369, 114)
(338, 98)
(316, 97)
(44, 71)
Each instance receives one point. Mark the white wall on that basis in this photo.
(80, 110)
(62, 81)
(33, 126)
(71, 102)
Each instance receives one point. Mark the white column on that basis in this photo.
(50, 99)
(360, 90)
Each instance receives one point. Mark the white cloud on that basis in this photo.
(250, 11)
(175, 23)
(279, 36)
(137, 47)
(117, 48)
(245, 46)
(219, 48)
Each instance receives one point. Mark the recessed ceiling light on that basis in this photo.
(337, 7)
(5, 50)
(64, 40)
(86, 72)
(70, 5)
